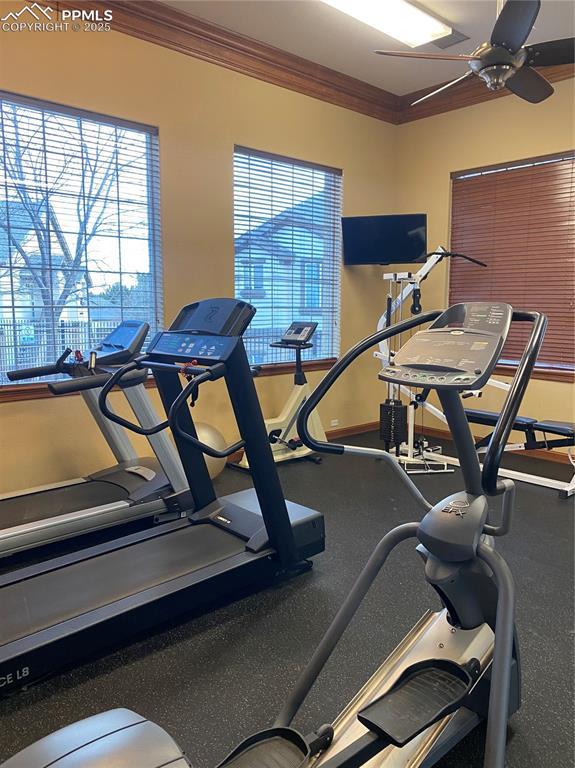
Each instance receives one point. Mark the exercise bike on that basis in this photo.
(459, 665)
(282, 430)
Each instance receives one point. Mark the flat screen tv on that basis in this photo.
(397, 239)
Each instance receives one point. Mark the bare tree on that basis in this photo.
(49, 158)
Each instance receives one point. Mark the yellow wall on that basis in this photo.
(202, 111)
(493, 132)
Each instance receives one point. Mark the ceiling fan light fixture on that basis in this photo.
(396, 18)
(496, 75)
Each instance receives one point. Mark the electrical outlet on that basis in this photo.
(334, 423)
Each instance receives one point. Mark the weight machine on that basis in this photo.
(398, 420)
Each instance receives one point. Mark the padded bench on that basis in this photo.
(489, 419)
(556, 428)
(563, 431)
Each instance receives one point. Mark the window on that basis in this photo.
(518, 219)
(287, 245)
(79, 229)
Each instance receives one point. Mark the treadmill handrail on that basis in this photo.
(40, 371)
(78, 384)
(93, 381)
(209, 374)
(201, 374)
(505, 422)
(339, 367)
(115, 378)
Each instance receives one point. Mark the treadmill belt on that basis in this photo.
(45, 600)
(32, 507)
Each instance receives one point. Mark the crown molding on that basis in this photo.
(163, 25)
(166, 26)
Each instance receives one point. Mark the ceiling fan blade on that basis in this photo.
(443, 88)
(514, 23)
(419, 55)
(529, 85)
(551, 53)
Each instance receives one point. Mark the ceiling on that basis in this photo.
(320, 33)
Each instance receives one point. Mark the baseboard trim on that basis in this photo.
(442, 434)
(357, 429)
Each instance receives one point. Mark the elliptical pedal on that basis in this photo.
(425, 693)
(271, 748)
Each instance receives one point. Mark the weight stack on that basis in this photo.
(393, 424)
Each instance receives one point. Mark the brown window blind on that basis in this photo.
(520, 220)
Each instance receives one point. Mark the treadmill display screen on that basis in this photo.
(123, 336)
(185, 346)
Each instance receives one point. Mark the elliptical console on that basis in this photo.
(460, 348)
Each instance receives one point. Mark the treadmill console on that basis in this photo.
(184, 346)
(122, 343)
(458, 351)
(298, 333)
(219, 317)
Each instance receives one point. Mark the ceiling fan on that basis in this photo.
(504, 62)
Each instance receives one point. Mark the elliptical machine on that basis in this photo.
(457, 666)
(282, 429)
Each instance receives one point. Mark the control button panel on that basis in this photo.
(184, 346)
(404, 375)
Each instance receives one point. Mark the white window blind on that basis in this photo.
(79, 229)
(287, 242)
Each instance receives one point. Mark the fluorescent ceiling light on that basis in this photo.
(396, 18)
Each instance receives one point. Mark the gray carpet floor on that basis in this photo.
(212, 679)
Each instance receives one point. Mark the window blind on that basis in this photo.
(79, 229)
(520, 220)
(287, 245)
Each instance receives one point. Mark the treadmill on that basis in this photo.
(135, 488)
(58, 611)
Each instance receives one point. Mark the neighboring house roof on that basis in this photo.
(264, 238)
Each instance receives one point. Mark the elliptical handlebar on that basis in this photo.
(489, 480)
(335, 372)
(506, 420)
